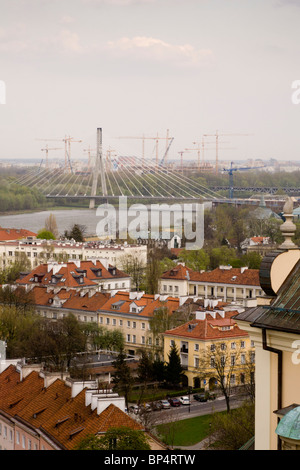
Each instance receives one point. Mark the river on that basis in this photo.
(65, 219)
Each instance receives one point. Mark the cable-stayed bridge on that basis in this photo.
(133, 177)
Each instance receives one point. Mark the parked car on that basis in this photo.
(200, 397)
(134, 409)
(156, 406)
(174, 402)
(165, 404)
(185, 400)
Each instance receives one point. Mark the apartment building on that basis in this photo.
(225, 282)
(37, 251)
(78, 275)
(129, 312)
(40, 411)
(212, 332)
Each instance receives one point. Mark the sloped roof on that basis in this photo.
(73, 299)
(66, 420)
(7, 234)
(284, 311)
(68, 273)
(219, 275)
(209, 328)
(149, 303)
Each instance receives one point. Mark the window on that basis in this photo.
(212, 362)
(121, 322)
(143, 326)
(196, 361)
(143, 339)
(242, 344)
(232, 360)
(165, 288)
(114, 322)
(212, 347)
(23, 442)
(10, 435)
(172, 343)
(101, 320)
(170, 288)
(243, 359)
(18, 437)
(196, 347)
(233, 345)
(232, 379)
(134, 324)
(107, 321)
(150, 341)
(134, 338)
(128, 338)
(128, 324)
(176, 288)
(223, 346)
(29, 444)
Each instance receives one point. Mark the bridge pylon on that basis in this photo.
(99, 168)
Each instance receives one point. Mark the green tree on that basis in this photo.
(45, 235)
(145, 371)
(197, 260)
(118, 438)
(232, 430)
(135, 267)
(121, 377)
(174, 370)
(77, 233)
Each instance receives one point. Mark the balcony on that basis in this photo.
(184, 350)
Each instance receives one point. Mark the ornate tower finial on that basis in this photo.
(288, 228)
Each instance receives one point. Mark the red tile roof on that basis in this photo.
(237, 276)
(149, 304)
(71, 298)
(7, 234)
(209, 328)
(66, 420)
(68, 274)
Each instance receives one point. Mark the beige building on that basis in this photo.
(38, 251)
(226, 283)
(215, 336)
(274, 327)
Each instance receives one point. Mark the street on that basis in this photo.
(195, 409)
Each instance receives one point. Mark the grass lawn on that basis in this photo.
(186, 432)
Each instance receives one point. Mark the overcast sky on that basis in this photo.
(140, 67)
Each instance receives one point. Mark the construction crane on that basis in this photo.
(164, 158)
(230, 174)
(203, 146)
(67, 141)
(181, 158)
(89, 150)
(46, 149)
(217, 135)
(143, 138)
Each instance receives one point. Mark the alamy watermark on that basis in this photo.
(2, 92)
(153, 221)
(296, 93)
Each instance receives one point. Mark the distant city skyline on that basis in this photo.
(147, 67)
